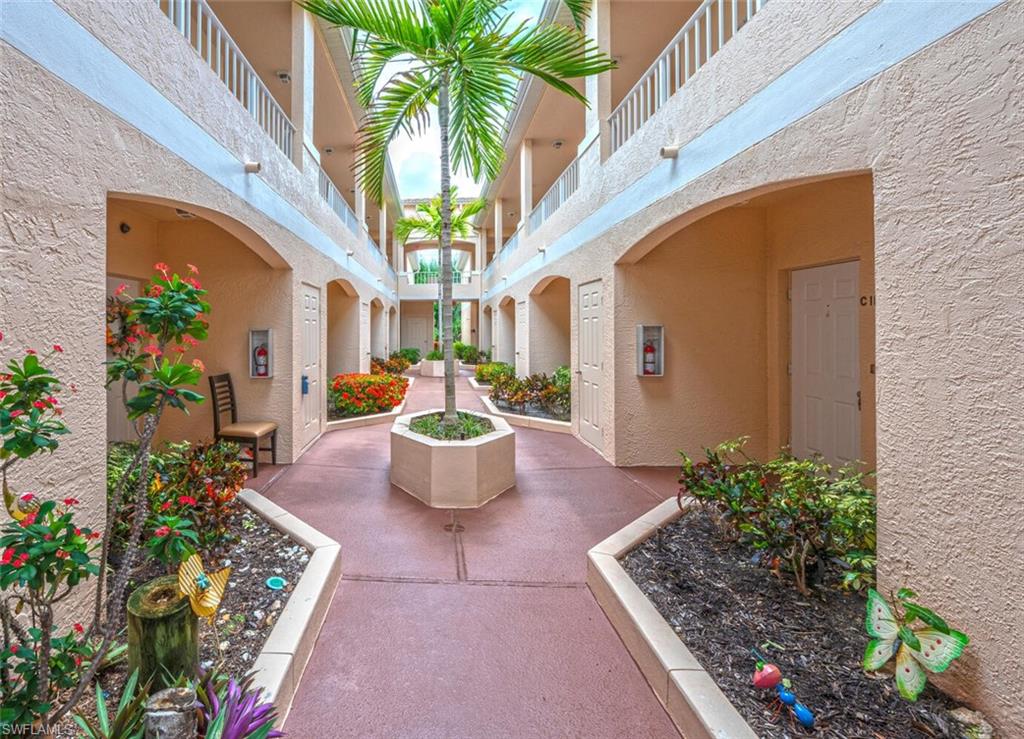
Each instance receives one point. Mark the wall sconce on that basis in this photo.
(542, 249)
(284, 75)
(253, 167)
(349, 252)
(669, 152)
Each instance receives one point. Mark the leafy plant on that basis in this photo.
(932, 646)
(468, 427)
(410, 354)
(485, 373)
(467, 353)
(797, 513)
(435, 355)
(128, 718)
(550, 395)
(234, 709)
(396, 364)
(173, 541)
(359, 394)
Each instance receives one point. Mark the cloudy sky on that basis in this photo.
(416, 161)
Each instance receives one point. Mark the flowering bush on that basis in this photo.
(396, 364)
(358, 395)
(485, 373)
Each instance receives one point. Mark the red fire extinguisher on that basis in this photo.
(261, 357)
(650, 358)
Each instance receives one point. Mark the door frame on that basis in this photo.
(578, 306)
(320, 398)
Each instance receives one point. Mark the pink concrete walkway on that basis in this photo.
(487, 630)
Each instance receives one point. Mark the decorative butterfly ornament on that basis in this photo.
(19, 506)
(931, 648)
(204, 591)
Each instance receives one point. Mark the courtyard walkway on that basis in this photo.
(469, 623)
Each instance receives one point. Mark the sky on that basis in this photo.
(417, 160)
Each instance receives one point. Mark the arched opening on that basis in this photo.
(342, 328)
(250, 294)
(767, 313)
(378, 329)
(394, 340)
(506, 343)
(550, 325)
(486, 330)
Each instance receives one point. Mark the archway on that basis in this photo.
(550, 325)
(342, 328)
(735, 349)
(486, 330)
(378, 329)
(506, 343)
(250, 294)
(394, 340)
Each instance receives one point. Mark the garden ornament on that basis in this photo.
(204, 591)
(19, 507)
(768, 676)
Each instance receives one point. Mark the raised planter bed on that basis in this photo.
(373, 418)
(533, 422)
(453, 474)
(478, 385)
(432, 368)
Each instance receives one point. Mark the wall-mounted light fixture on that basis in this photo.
(349, 252)
(253, 167)
(284, 75)
(124, 227)
(542, 249)
(669, 152)
(557, 143)
(328, 150)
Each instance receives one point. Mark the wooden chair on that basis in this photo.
(246, 433)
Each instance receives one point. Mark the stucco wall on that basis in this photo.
(505, 329)
(550, 327)
(413, 310)
(342, 330)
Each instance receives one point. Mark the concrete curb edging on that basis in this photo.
(286, 652)
(476, 385)
(689, 694)
(372, 420)
(516, 419)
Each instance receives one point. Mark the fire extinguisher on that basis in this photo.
(650, 358)
(260, 355)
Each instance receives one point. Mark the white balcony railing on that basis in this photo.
(511, 243)
(559, 192)
(459, 277)
(197, 23)
(334, 199)
(707, 31)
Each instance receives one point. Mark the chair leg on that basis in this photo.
(273, 446)
(256, 458)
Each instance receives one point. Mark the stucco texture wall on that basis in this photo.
(417, 319)
(550, 327)
(342, 329)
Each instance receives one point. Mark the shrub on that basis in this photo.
(396, 364)
(485, 373)
(411, 354)
(468, 427)
(436, 355)
(797, 513)
(550, 395)
(359, 395)
(460, 349)
(468, 353)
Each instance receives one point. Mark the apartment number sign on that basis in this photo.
(867, 300)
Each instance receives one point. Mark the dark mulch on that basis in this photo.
(531, 409)
(722, 604)
(249, 609)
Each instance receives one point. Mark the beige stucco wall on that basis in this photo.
(411, 311)
(505, 331)
(343, 349)
(550, 327)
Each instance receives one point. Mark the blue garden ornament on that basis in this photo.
(783, 691)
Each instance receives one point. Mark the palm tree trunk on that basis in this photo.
(450, 415)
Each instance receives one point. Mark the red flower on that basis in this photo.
(15, 414)
(27, 497)
(61, 554)
(14, 649)
(186, 500)
(78, 660)
(155, 291)
(94, 535)
(30, 351)
(20, 561)
(121, 288)
(192, 268)
(198, 364)
(5, 558)
(79, 628)
(58, 348)
(28, 520)
(162, 531)
(162, 268)
(39, 404)
(171, 392)
(152, 349)
(71, 501)
(165, 505)
(2, 395)
(179, 349)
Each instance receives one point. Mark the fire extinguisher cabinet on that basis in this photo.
(650, 351)
(261, 353)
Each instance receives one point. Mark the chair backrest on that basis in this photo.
(222, 391)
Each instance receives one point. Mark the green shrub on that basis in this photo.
(485, 373)
(410, 354)
(435, 355)
(798, 513)
(550, 395)
(460, 349)
(468, 427)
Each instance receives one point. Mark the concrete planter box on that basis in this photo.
(517, 419)
(689, 694)
(432, 368)
(478, 385)
(453, 474)
(373, 419)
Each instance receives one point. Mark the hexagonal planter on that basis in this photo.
(432, 368)
(453, 474)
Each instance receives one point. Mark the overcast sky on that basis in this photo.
(416, 161)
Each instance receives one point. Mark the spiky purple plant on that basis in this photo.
(236, 710)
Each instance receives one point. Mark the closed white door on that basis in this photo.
(589, 369)
(522, 355)
(119, 428)
(311, 400)
(825, 363)
(416, 335)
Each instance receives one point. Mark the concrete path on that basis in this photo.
(487, 630)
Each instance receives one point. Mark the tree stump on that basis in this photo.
(171, 714)
(163, 633)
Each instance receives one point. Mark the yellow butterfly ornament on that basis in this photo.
(204, 592)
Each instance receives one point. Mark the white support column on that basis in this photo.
(360, 198)
(525, 181)
(499, 234)
(480, 255)
(302, 88)
(599, 87)
(382, 231)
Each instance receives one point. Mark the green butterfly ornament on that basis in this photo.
(931, 646)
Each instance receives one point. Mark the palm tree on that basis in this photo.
(467, 58)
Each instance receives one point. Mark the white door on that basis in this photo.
(311, 400)
(119, 428)
(522, 355)
(589, 369)
(415, 335)
(825, 366)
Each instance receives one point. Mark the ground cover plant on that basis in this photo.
(485, 373)
(396, 364)
(468, 427)
(410, 354)
(536, 395)
(356, 394)
(469, 354)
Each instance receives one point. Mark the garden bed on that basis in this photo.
(722, 605)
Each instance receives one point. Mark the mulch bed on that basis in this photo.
(534, 411)
(722, 604)
(249, 609)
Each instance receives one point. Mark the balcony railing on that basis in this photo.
(334, 199)
(564, 186)
(707, 31)
(433, 278)
(511, 243)
(197, 23)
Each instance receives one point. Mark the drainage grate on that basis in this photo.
(456, 527)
